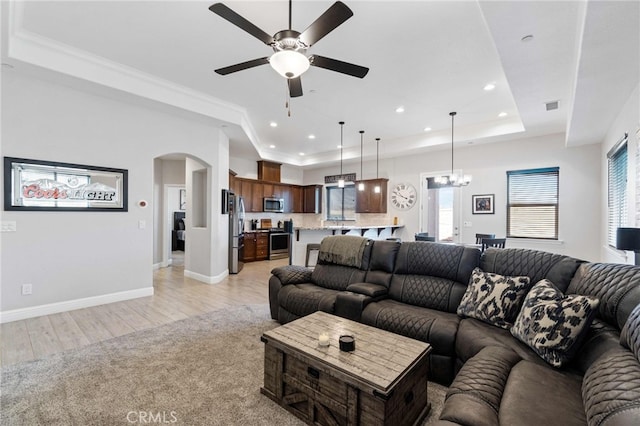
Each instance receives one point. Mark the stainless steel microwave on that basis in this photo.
(273, 205)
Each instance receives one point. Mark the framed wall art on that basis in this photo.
(35, 185)
(483, 204)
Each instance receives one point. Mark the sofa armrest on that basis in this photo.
(292, 274)
(368, 289)
(351, 303)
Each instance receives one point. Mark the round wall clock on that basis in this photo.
(403, 196)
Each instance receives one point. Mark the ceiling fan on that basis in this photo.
(289, 46)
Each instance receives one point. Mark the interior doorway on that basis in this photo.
(439, 209)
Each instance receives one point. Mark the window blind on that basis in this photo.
(532, 204)
(616, 190)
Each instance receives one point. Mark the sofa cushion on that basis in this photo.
(474, 396)
(436, 327)
(383, 255)
(493, 298)
(600, 339)
(305, 299)
(538, 395)
(611, 389)
(617, 287)
(449, 261)
(630, 336)
(553, 324)
(427, 291)
(336, 277)
(474, 335)
(292, 274)
(536, 265)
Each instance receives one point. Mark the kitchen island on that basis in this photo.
(303, 236)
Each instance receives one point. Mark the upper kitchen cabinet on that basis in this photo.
(269, 171)
(312, 199)
(368, 201)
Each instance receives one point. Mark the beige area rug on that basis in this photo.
(205, 370)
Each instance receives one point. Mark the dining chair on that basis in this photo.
(424, 236)
(493, 242)
(479, 237)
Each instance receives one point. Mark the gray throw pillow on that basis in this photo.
(554, 324)
(493, 298)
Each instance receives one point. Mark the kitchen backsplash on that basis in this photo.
(317, 220)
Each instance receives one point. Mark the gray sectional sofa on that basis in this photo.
(496, 376)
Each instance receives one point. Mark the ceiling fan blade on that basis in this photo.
(237, 20)
(338, 66)
(242, 66)
(295, 87)
(327, 22)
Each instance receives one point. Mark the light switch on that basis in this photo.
(8, 226)
(467, 224)
(142, 224)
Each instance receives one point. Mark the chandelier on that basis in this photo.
(453, 179)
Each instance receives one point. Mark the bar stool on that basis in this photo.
(311, 247)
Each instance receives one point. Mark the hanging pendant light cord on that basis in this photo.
(452, 114)
(361, 133)
(341, 129)
(377, 156)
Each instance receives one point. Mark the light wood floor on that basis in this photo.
(175, 298)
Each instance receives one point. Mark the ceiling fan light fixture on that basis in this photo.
(289, 63)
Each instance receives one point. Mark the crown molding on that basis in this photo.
(28, 47)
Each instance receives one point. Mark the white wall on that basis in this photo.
(488, 163)
(627, 121)
(74, 255)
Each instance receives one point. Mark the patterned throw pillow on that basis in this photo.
(493, 298)
(553, 324)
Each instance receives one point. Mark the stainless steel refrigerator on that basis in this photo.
(236, 233)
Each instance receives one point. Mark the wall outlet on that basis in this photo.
(27, 289)
(8, 226)
(467, 224)
(142, 224)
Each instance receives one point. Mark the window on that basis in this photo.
(341, 202)
(616, 189)
(532, 205)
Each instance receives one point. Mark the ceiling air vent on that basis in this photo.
(551, 105)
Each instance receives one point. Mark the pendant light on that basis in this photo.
(376, 188)
(341, 179)
(453, 179)
(361, 184)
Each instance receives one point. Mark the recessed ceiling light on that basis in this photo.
(527, 38)
(272, 146)
(400, 109)
(339, 146)
(273, 124)
(301, 154)
(489, 87)
(312, 136)
(427, 129)
(502, 114)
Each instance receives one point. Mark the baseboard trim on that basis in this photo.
(215, 279)
(70, 305)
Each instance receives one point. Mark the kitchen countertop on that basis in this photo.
(343, 229)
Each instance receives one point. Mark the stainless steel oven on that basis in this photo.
(279, 245)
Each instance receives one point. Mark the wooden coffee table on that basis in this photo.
(382, 382)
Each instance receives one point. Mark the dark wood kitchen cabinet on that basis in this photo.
(257, 195)
(368, 201)
(262, 245)
(256, 246)
(249, 247)
(312, 195)
(297, 199)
